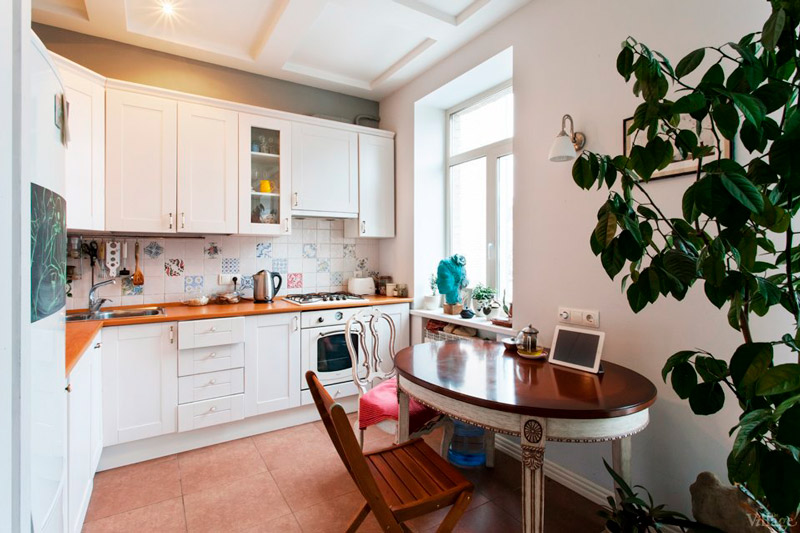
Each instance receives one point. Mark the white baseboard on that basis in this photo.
(588, 489)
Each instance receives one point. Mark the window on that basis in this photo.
(481, 187)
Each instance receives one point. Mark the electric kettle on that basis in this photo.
(264, 286)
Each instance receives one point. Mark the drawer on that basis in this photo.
(210, 359)
(211, 385)
(206, 413)
(213, 332)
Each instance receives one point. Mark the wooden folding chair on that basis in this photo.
(398, 483)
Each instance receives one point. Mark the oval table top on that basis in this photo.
(483, 373)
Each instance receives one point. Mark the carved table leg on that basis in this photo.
(621, 458)
(447, 437)
(402, 416)
(488, 444)
(532, 440)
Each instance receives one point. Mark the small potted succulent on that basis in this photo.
(482, 296)
(433, 300)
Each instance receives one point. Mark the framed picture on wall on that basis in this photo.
(681, 165)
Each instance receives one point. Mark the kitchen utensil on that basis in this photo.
(363, 286)
(90, 249)
(112, 258)
(264, 286)
(527, 343)
(138, 277)
(124, 271)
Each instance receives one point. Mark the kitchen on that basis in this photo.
(216, 219)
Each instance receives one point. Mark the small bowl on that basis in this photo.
(196, 301)
(510, 343)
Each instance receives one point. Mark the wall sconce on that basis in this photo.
(566, 145)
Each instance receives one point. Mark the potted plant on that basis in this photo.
(630, 513)
(482, 296)
(725, 236)
(433, 300)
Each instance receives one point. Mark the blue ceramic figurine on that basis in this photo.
(452, 277)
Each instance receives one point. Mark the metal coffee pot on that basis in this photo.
(264, 286)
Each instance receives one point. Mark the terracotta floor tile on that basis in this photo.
(486, 518)
(164, 517)
(130, 487)
(244, 503)
(334, 515)
(219, 464)
(284, 524)
(432, 520)
(304, 483)
(278, 448)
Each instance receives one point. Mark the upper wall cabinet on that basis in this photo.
(324, 171)
(141, 162)
(375, 188)
(264, 175)
(207, 169)
(85, 154)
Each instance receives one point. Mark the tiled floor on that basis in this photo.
(293, 481)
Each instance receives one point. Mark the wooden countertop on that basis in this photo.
(80, 334)
(79, 338)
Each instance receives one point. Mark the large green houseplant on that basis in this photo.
(736, 235)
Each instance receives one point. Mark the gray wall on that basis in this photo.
(140, 65)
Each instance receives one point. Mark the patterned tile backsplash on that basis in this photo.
(315, 257)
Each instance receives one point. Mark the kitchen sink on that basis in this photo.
(117, 313)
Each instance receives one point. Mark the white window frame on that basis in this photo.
(492, 152)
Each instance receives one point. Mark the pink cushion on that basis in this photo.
(380, 403)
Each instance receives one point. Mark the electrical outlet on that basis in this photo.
(564, 314)
(225, 279)
(591, 318)
(580, 317)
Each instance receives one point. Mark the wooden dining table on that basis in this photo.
(480, 383)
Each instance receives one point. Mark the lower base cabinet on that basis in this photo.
(272, 363)
(84, 433)
(140, 382)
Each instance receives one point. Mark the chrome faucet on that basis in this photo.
(94, 302)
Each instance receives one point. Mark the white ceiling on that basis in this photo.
(366, 48)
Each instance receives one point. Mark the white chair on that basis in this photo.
(378, 401)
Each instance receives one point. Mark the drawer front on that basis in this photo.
(206, 413)
(211, 385)
(210, 359)
(213, 332)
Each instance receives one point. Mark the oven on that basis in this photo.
(324, 348)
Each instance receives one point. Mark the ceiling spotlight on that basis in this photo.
(167, 8)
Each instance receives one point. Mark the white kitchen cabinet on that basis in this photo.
(141, 162)
(272, 363)
(140, 382)
(324, 171)
(84, 157)
(207, 169)
(375, 188)
(96, 437)
(83, 420)
(265, 175)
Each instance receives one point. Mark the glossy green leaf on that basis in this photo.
(711, 369)
(779, 379)
(681, 265)
(707, 398)
(749, 362)
(625, 63)
(744, 191)
(773, 28)
(779, 475)
(684, 380)
(674, 360)
(726, 119)
(582, 173)
(689, 104)
(789, 427)
(690, 62)
(606, 228)
(752, 108)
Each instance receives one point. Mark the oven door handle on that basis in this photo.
(328, 334)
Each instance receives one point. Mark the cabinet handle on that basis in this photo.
(363, 226)
(171, 335)
(98, 345)
(296, 199)
(213, 329)
(296, 323)
(212, 355)
(213, 408)
(212, 382)
(183, 220)
(170, 221)
(286, 221)
(68, 388)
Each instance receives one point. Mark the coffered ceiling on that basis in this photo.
(365, 48)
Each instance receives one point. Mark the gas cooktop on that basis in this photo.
(325, 298)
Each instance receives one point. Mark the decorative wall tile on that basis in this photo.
(153, 250)
(309, 251)
(337, 278)
(323, 265)
(129, 289)
(362, 263)
(173, 267)
(349, 250)
(280, 266)
(264, 249)
(213, 249)
(193, 283)
(230, 265)
(295, 281)
(246, 282)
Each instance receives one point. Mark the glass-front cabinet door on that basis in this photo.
(264, 175)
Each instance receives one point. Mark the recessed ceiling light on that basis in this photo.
(167, 8)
